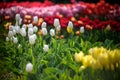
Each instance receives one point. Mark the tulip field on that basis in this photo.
(59, 42)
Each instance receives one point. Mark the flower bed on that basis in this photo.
(59, 47)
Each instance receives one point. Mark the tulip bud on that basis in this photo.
(58, 28)
(15, 40)
(52, 32)
(24, 26)
(82, 29)
(29, 67)
(70, 24)
(43, 25)
(11, 28)
(20, 21)
(17, 17)
(35, 19)
(35, 28)
(46, 48)
(17, 29)
(30, 25)
(14, 32)
(10, 34)
(56, 22)
(44, 31)
(32, 39)
(30, 31)
(7, 39)
(23, 32)
(19, 46)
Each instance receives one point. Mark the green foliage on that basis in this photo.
(58, 63)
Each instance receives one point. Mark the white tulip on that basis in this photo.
(24, 26)
(7, 39)
(29, 67)
(20, 21)
(10, 34)
(17, 17)
(15, 40)
(23, 32)
(11, 27)
(58, 28)
(14, 32)
(17, 29)
(35, 28)
(82, 29)
(30, 31)
(32, 39)
(30, 25)
(56, 22)
(35, 19)
(52, 32)
(19, 46)
(70, 24)
(46, 48)
(43, 25)
(35, 37)
(44, 31)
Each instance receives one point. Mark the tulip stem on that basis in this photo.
(33, 59)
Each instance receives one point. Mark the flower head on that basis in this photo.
(35, 19)
(23, 32)
(52, 32)
(10, 34)
(35, 28)
(46, 48)
(44, 31)
(30, 31)
(15, 40)
(82, 29)
(56, 22)
(17, 17)
(43, 25)
(29, 67)
(7, 39)
(32, 39)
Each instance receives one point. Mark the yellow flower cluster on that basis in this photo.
(99, 58)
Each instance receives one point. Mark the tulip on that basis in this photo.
(56, 22)
(7, 39)
(20, 21)
(15, 40)
(43, 25)
(70, 24)
(82, 29)
(30, 31)
(35, 28)
(24, 26)
(10, 34)
(17, 29)
(58, 28)
(46, 48)
(19, 46)
(35, 19)
(32, 39)
(29, 67)
(11, 27)
(52, 32)
(14, 32)
(44, 31)
(23, 32)
(17, 17)
(30, 25)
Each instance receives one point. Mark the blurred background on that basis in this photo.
(66, 1)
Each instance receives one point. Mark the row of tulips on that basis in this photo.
(63, 22)
(99, 58)
(101, 9)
